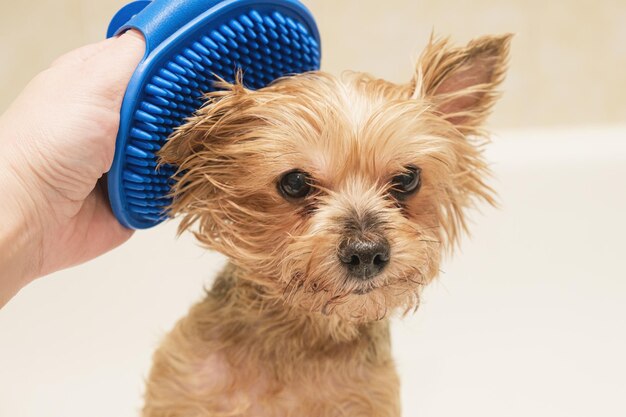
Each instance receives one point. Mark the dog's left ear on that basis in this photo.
(461, 82)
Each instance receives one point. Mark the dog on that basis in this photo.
(334, 199)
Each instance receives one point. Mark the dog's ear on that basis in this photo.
(461, 82)
(201, 149)
(210, 126)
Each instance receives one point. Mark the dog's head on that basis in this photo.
(340, 194)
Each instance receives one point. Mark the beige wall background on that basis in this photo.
(568, 62)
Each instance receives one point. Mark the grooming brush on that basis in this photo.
(189, 44)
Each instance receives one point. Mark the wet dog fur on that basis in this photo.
(334, 199)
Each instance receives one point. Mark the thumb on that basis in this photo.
(114, 64)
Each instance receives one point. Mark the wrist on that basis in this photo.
(20, 229)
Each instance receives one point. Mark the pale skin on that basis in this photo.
(57, 140)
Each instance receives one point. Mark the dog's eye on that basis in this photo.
(295, 184)
(407, 183)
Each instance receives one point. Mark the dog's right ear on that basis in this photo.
(212, 124)
(202, 148)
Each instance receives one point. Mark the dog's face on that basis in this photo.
(339, 195)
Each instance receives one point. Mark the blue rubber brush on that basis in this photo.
(189, 43)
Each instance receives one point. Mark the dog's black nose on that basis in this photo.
(364, 258)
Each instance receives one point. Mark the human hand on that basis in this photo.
(56, 141)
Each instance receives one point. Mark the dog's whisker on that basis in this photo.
(430, 241)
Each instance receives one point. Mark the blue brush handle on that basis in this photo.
(158, 19)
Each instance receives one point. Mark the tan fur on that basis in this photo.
(285, 331)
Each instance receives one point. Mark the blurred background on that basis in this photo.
(529, 318)
(567, 66)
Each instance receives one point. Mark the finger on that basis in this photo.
(115, 64)
(105, 232)
(86, 52)
(81, 55)
(93, 232)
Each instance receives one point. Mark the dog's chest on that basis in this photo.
(316, 388)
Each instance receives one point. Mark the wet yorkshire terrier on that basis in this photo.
(334, 199)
